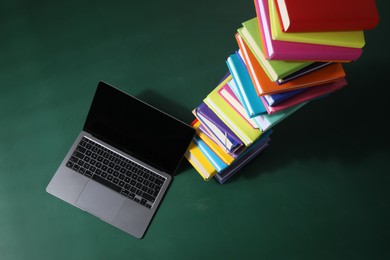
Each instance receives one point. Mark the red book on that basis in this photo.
(327, 15)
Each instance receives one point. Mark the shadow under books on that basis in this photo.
(346, 126)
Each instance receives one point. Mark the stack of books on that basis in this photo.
(291, 53)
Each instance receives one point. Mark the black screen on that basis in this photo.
(137, 128)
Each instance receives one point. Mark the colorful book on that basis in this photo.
(246, 90)
(199, 161)
(220, 151)
(264, 85)
(312, 67)
(227, 93)
(246, 157)
(230, 117)
(206, 131)
(269, 121)
(219, 129)
(217, 163)
(283, 50)
(327, 15)
(353, 39)
(307, 95)
(275, 69)
(234, 89)
(274, 99)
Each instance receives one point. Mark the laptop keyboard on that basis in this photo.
(116, 172)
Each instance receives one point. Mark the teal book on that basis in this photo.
(269, 121)
(213, 158)
(246, 90)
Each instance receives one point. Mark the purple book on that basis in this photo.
(220, 130)
(241, 161)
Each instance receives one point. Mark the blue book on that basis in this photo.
(213, 158)
(274, 99)
(246, 90)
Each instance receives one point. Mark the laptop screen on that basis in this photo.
(137, 128)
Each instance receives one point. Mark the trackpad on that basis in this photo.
(100, 201)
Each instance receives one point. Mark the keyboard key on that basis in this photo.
(148, 197)
(106, 183)
(73, 159)
(81, 149)
(88, 174)
(70, 164)
(78, 155)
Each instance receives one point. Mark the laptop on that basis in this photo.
(122, 162)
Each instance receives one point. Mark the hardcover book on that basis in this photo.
(307, 95)
(246, 90)
(269, 121)
(327, 15)
(353, 39)
(199, 161)
(274, 99)
(220, 130)
(250, 153)
(213, 158)
(230, 117)
(220, 151)
(275, 69)
(283, 50)
(227, 93)
(308, 69)
(264, 85)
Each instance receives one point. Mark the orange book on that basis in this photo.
(265, 86)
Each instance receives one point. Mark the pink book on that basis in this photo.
(309, 94)
(282, 50)
(234, 102)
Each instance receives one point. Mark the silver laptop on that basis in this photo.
(121, 164)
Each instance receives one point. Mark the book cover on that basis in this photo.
(327, 15)
(230, 117)
(307, 95)
(245, 157)
(213, 158)
(275, 69)
(201, 164)
(220, 151)
(227, 93)
(269, 121)
(283, 50)
(220, 130)
(274, 99)
(353, 39)
(206, 131)
(264, 85)
(246, 90)
(234, 89)
(304, 71)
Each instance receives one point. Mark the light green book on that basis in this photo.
(230, 116)
(275, 69)
(353, 39)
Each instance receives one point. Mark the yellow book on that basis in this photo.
(230, 116)
(200, 162)
(354, 39)
(218, 150)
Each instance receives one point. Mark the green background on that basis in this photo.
(320, 191)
